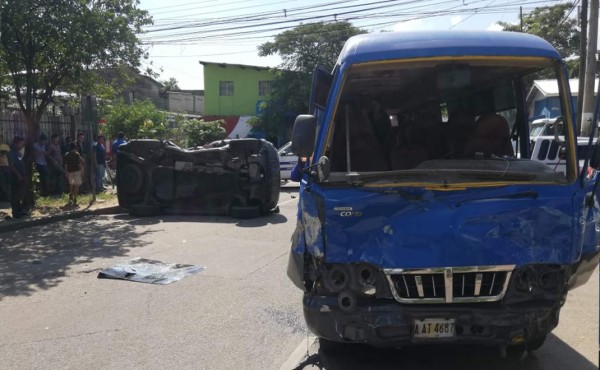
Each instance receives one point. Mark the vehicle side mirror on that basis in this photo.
(595, 156)
(303, 135)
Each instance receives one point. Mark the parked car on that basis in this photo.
(287, 161)
(545, 127)
(239, 178)
(552, 152)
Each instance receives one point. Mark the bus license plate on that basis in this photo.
(433, 328)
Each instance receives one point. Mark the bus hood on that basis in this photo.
(418, 229)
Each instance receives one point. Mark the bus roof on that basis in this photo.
(401, 45)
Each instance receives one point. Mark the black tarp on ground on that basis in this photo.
(149, 271)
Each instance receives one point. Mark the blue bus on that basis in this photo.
(422, 217)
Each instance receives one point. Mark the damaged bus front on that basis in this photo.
(422, 217)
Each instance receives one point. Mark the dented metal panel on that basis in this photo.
(463, 228)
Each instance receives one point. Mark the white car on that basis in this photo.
(544, 127)
(547, 149)
(287, 161)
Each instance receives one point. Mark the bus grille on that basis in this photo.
(449, 284)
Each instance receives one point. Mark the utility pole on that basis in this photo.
(521, 17)
(582, 61)
(587, 118)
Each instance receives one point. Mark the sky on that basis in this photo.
(229, 31)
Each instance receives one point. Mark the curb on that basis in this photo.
(13, 225)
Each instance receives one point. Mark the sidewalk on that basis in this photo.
(42, 215)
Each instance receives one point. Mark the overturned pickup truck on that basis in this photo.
(239, 178)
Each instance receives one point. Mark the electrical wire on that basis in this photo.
(205, 35)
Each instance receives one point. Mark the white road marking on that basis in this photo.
(299, 353)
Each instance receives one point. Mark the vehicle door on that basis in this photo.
(308, 236)
(587, 250)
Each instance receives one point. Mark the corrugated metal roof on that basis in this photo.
(550, 87)
(242, 66)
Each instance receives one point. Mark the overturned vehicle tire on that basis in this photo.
(239, 178)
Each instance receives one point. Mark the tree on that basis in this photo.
(139, 120)
(199, 132)
(171, 84)
(301, 49)
(553, 24)
(47, 45)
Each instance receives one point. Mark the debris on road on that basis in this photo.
(149, 271)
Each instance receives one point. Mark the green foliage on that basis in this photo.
(553, 24)
(36, 183)
(199, 132)
(307, 45)
(48, 45)
(171, 84)
(301, 50)
(138, 120)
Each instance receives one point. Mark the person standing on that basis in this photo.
(74, 167)
(120, 141)
(4, 173)
(40, 153)
(56, 165)
(18, 178)
(100, 152)
(65, 147)
(80, 144)
(84, 152)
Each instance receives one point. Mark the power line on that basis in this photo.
(194, 36)
(265, 16)
(311, 18)
(204, 35)
(213, 5)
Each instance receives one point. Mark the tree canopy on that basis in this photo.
(301, 50)
(199, 132)
(49, 45)
(307, 45)
(171, 84)
(140, 119)
(553, 24)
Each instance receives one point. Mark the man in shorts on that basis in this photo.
(73, 171)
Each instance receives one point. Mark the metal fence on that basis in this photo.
(14, 124)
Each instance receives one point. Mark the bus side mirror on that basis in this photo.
(303, 135)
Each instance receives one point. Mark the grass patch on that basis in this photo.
(57, 202)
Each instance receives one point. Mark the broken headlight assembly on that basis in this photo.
(352, 282)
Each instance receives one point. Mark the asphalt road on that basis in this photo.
(241, 312)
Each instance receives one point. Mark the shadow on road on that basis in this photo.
(40, 257)
(554, 355)
(272, 219)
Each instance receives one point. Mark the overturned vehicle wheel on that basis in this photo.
(239, 178)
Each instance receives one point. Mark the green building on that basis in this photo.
(235, 89)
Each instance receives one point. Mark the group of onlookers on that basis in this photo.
(56, 166)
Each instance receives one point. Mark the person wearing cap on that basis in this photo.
(4, 173)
